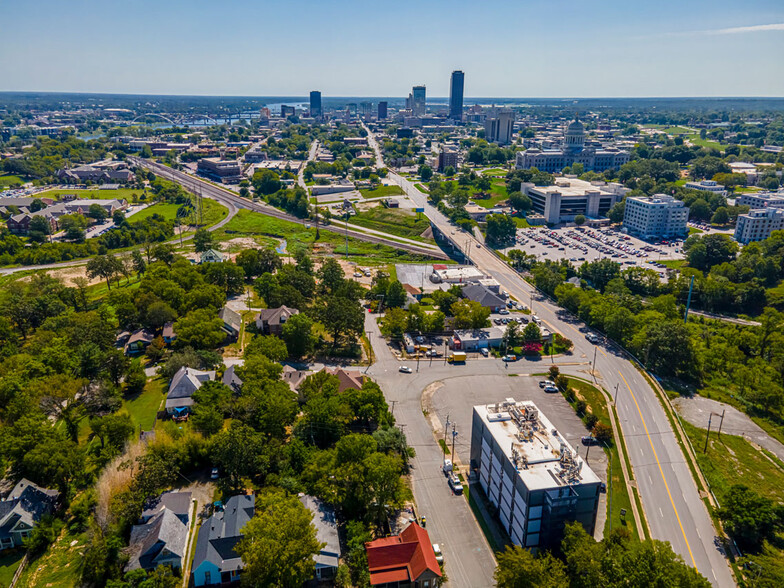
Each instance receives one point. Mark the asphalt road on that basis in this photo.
(670, 498)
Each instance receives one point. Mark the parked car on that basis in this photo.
(214, 474)
(454, 483)
(592, 338)
(536, 319)
(550, 389)
(509, 358)
(484, 351)
(358, 274)
(544, 383)
(503, 311)
(589, 440)
(405, 369)
(437, 551)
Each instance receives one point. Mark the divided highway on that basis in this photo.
(669, 494)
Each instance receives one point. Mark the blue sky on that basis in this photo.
(520, 48)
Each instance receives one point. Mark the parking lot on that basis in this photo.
(582, 244)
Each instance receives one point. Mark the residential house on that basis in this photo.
(215, 561)
(169, 335)
(177, 502)
(407, 559)
(211, 256)
(294, 377)
(349, 379)
(328, 558)
(184, 383)
(232, 380)
(270, 321)
(22, 509)
(232, 322)
(138, 341)
(159, 541)
(484, 296)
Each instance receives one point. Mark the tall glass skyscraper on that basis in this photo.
(456, 95)
(315, 103)
(419, 101)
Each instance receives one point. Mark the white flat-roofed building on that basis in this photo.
(531, 474)
(761, 200)
(570, 197)
(757, 225)
(455, 275)
(707, 186)
(655, 217)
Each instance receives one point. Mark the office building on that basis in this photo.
(498, 126)
(382, 110)
(366, 108)
(530, 474)
(287, 111)
(456, 85)
(660, 216)
(761, 200)
(707, 186)
(315, 104)
(570, 197)
(418, 100)
(757, 225)
(227, 171)
(573, 151)
(447, 158)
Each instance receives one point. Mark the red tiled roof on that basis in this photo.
(401, 558)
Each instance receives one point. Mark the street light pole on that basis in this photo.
(446, 427)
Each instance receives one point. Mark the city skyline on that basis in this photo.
(605, 50)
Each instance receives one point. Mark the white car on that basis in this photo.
(405, 369)
(536, 319)
(437, 551)
(358, 274)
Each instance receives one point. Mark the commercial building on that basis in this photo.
(443, 274)
(707, 186)
(530, 474)
(447, 158)
(573, 151)
(498, 126)
(315, 103)
(382, 110)
(475, 339)
(418, 100)
(757, 225)
(660, 216)
(456, 85)
(570, 197)
(761, 200)
(227, 171)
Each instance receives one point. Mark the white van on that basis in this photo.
(484, 351)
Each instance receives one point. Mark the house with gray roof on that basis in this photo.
(177, 502)
(232, 380)
(484, 296)
(159, 541)
(232, 322)
(215, 561)
(21, 511)
(328, 559)
(184, 383)
(270, 321)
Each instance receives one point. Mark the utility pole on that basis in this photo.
(707, 434)
(446, 427)
(347, 234)
(454, 434)
(393, 407)
(721, 422)
(688, 301)
(418, 354)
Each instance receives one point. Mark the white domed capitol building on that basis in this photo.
(573, 151)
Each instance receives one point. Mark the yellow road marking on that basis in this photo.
(661, 471)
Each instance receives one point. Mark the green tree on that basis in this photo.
(395, 295)
(520, 202)
(501, 229)
(269, 346)
(343, 318)
(279, 542)
(97, 212)
(238, 452)
(298, 335)
(425, 172)
(104, 266)
(266, 182)
(748, 517)
(700, 210)
(721, 216)
(200, 329)
(203, 240)
(469, 314)
(615, 214)
(532, 333)
(519, 568)
(579, 220)
(113, 429)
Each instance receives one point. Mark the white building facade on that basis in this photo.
(530, 474)
(707, 186)
(757, 225)
(660, 216)
(570, 197)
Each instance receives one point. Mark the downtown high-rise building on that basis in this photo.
(382, 110)
(418, 100)
(456, 85)
(315, 103)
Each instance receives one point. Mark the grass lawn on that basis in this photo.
(673, 263)
(247, 223)
(59, 565)
(695, 231)
(393, 190)
(422, 188)
(143, 408)
(495, 171)
(520, 222)
(7, 181)
(8, 564)
(395, 221)
(94, 193)
(166, 210)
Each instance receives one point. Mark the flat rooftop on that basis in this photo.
(544, 459)
(572, 187)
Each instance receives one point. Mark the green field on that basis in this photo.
(213, 212)
(695, 231)
(144, 407)
(494, 171)
(382, 191)
(126, 193)
(9, 180)
(269, 230)
(520, 222)
(394, 221)
(674, 263)
(60, 565)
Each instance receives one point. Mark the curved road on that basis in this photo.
(669, 494)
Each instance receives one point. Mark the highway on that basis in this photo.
(669, 494)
